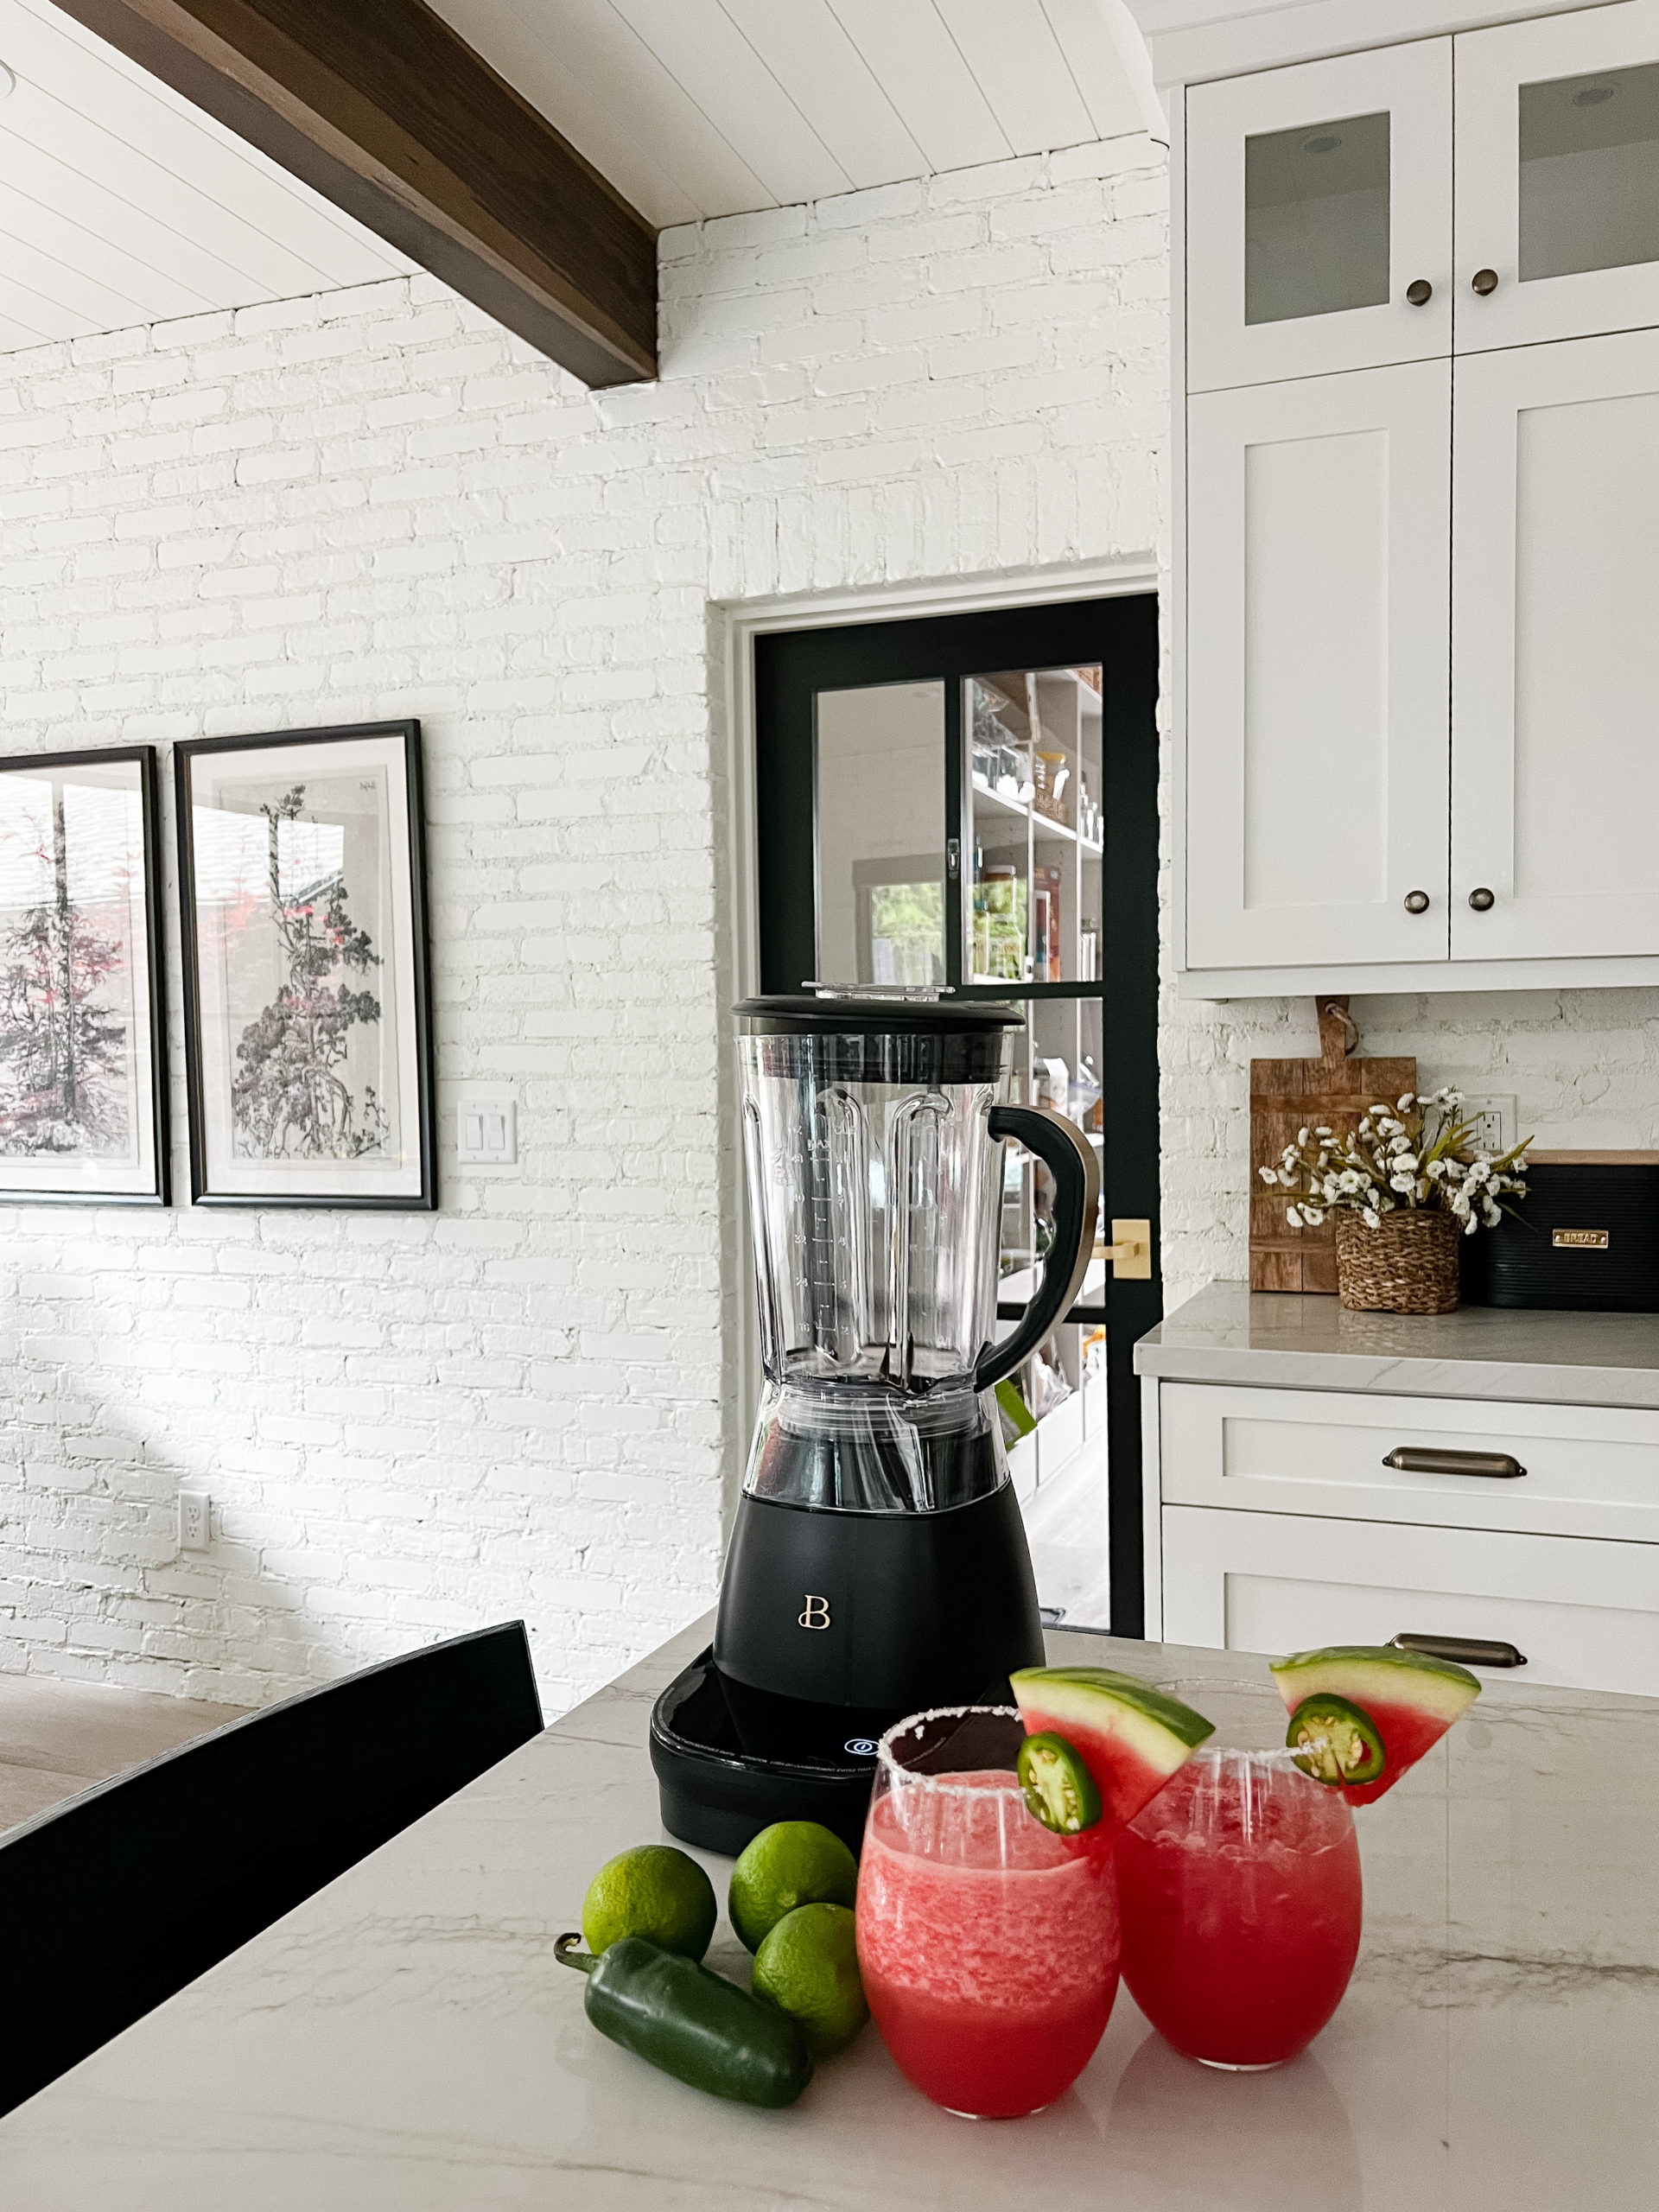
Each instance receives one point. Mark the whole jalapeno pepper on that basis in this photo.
(677, 2015)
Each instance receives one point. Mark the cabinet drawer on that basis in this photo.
(1584, 1614)
(1591, 1470)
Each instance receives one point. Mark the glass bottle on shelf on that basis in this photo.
(1005, 920)
(1049, 776)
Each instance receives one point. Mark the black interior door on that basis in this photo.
(971, 801)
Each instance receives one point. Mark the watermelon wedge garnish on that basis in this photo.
(1129, 1736)
(1409, 1700)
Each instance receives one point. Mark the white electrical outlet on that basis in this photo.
(1493, 1117)
(195, 1520)
(486, 1132)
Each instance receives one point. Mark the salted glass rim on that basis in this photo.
(942, 1785)
(1278, 1758)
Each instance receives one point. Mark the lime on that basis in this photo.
(808, 1966)
(791, 1863)
(655, 1892)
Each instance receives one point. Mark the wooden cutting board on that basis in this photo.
(1286, 1095)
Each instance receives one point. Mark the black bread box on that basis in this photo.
(1585, 1238)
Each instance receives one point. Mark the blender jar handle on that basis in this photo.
(1070, 1158)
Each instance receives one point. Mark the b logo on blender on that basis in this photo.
(816, 1614)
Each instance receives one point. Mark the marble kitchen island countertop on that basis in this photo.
(1229, 1333)
(405, 2041)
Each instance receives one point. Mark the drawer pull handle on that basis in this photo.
(1497, 1465)
(1463, 1651)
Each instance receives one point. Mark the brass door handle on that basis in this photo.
(1462, 1650)
(1419, 292)
(1406, 1459)
(1484, 282)
(1129, 1251)
(1481, 899)
(1416, 902)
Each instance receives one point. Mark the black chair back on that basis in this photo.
(111, 1902)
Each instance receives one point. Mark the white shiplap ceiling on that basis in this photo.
(714, 107)
(121, 204)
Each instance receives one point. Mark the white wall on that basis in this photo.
(375, 503)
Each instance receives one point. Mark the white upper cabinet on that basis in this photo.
(1319, 218)
(1556, 625)
(1418, 613)
(1557, 177)
(1318, 669)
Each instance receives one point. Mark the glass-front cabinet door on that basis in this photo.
(1319, 217)
(1557, 167)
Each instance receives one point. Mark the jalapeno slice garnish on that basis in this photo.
(1059, 1789)
(1335, 1741)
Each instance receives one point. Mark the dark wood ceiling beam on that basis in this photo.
(394, 118)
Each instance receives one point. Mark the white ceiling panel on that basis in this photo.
(929, 83)
(1096, 66)
(699, 42)
(1016, 60)
(808, 51)
(120, 203)
(599, 83)
(712, 107)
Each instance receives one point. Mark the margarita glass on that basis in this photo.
(1241, 1890)
(988, 1944)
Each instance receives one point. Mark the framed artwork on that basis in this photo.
(307, 995)
(83, 1069)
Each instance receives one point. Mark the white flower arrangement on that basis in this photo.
(1413, 1155)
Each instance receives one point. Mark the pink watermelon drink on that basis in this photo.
(988, 1947)
(1351, 1699)
(1240, 1896)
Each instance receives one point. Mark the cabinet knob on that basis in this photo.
(1480, 900)
(1416, 902)
(1484, 281)
(1421, 292)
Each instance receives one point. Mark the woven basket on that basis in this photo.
(1407, 1264)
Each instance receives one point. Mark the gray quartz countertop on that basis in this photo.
(403, 2041)
(1229, 1333)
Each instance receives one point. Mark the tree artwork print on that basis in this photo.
(302, 872)
(81, 1081)
(290, 1095)
(63, 1046)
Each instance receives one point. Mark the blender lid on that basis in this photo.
(860, 1009)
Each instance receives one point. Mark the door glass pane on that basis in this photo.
(1053, 1406)
(1059, 1468)
(1033, 830)
(1316, 219)
(881, 802)
(1590, 172)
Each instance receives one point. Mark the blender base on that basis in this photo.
(718, 1795)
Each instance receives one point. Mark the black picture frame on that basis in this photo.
(151, 1095)
(210, 1186)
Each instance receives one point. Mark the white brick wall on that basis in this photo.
(376, 503)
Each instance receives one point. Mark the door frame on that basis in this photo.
(736, 625)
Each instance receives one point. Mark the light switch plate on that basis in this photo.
(486, 1132)
(1493, 1116)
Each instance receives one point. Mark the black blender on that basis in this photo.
(878, 1561)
